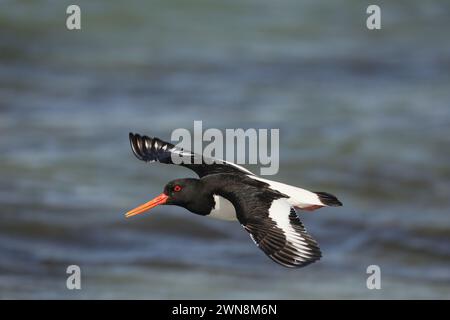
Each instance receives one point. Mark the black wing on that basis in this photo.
(156, 150)
(279, 233)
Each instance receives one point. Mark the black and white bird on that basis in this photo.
(224, 190)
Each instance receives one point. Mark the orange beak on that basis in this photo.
(161, 199)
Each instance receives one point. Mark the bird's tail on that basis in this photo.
(328, 199)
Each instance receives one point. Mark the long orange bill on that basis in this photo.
(161, 199)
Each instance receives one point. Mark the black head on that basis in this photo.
(187, 193)
(182, 191)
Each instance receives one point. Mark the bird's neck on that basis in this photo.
(202, 203)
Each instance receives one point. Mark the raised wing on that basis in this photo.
(156, 150)
(279, 233)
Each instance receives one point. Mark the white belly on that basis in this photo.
(223, 209)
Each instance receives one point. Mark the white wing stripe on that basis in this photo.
(298, 197)
(279, 212)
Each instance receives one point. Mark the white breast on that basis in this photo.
(223, 209)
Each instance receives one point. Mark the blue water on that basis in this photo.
(362, 114)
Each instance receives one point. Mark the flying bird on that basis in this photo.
(266, 209)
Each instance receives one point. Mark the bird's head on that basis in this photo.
(180, 192)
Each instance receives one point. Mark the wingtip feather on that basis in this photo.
(135, 143)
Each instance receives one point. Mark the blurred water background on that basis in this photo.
(362, 114)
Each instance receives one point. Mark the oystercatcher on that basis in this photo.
(224, 190)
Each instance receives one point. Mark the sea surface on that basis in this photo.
(362, 114)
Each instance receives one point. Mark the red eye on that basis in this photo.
(177, 188)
